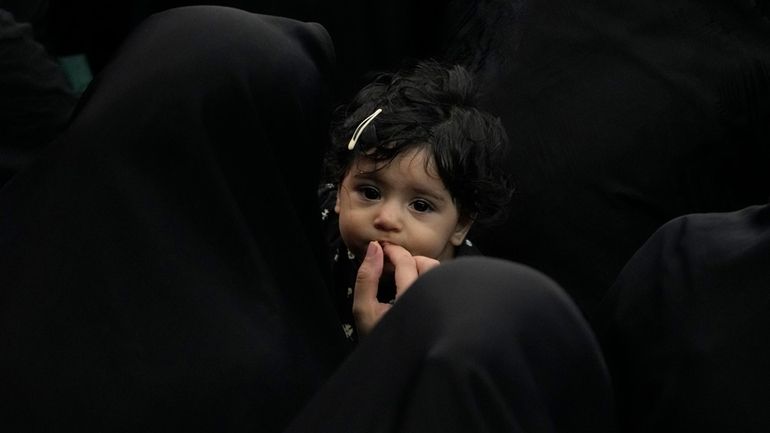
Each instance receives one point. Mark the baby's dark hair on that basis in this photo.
(434, 107)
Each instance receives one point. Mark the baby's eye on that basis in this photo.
(369, 192)
(421, 206)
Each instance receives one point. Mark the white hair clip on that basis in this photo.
(360, 128)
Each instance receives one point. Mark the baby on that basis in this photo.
(413, 164)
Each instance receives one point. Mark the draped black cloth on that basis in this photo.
(685, 327)
(36, 99)
(369, 35)
(147, 280)
(477, 345)
(621, 116)
(27, 11)
(162, 268)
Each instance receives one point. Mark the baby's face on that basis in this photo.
(401, 203)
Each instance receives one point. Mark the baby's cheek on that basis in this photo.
(425, 250)
(433, 244)
(346, 234)
(354, 240)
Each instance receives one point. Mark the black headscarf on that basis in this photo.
(147, 279)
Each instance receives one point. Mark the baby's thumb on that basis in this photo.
(368, 277)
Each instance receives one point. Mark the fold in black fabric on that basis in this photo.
(686, 326)
(161, 263)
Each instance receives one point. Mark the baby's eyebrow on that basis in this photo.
(366, 175)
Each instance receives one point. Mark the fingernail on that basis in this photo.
(371, 249)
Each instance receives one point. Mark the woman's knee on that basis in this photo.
(480, 304)
(491, 287)
(507, 330)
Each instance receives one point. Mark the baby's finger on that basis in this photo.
(405, 267)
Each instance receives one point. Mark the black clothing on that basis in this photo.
(686, 327)
(141, 289)
(475, 345)
(621, 116)
(27, 11)
(36, 99)
(163, 267)
(368, 35)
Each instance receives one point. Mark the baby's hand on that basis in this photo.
(367, 310)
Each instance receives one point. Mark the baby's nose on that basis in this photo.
(388, 217)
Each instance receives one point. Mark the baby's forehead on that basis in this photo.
(417, 160)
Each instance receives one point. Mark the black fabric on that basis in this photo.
(685, 327)
(369, 35)
(27, 11)
(621, 116)
(36, 97)
(149, 275)
(476, 345)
